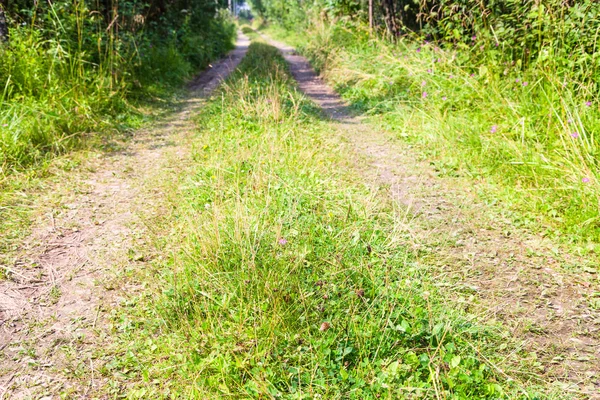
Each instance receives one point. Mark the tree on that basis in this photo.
(3, 22)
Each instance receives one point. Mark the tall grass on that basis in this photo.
(527, 134)
(289, 280)
(65, 77)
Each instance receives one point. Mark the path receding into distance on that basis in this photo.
(516, 276)
(61, 293)
(54, 309)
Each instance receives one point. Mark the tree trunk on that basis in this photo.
(391, 22)
(3, 22)
(371, 15)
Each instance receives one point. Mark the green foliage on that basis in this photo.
(290, 14)
(551, 35)
(290, 281)
(68, 73)
(523, 133)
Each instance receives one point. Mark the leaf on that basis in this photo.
(344, 373)
(454, 362)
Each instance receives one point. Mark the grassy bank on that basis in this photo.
(67, 82)
(285, 277)
(525, 136)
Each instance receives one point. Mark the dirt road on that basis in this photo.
(55, 305)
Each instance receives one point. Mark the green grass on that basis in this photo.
(526, 137)
(285, 275)
(62, 93)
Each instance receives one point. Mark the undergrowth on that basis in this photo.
(288, 279)
(527, 136)
(66, 79)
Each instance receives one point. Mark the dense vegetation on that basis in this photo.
(505, 92)
(71, 69)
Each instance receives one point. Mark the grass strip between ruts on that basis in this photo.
(288, 277)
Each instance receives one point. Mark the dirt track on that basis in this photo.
(54, 307)
(517, 277)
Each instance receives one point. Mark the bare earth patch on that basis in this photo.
(55, 306)
(539, 289)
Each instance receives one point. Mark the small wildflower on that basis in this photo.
(324, 326)
(472, 75)
(517, 80)
(588, 103)
(474, 38)
(575, 134)
(424, 95)
(494, 128)
(525, 83)
(497, 44)
(429, 71)
(423, 83)
(585, 180)
(450, 76)
(481, 48)
(282, 241)
(418, 49)
(569, 121)
(444, 98)
(4, 125)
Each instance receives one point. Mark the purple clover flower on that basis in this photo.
(282, 241)
(494, 129)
